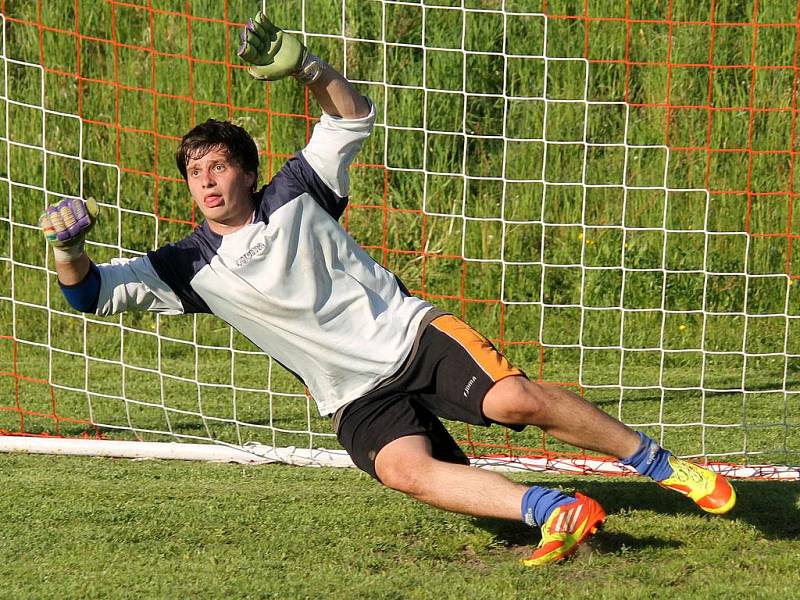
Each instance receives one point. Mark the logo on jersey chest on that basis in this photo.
(250, 254)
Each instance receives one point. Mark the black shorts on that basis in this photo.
(448, 376)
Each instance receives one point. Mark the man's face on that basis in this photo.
(221, 190)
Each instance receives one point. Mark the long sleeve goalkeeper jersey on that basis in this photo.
(292, 281)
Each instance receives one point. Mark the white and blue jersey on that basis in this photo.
(292, 281)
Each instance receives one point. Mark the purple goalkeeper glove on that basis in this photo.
(65, 225)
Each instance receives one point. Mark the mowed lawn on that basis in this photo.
(103, 528)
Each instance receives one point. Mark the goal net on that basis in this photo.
(604, 189)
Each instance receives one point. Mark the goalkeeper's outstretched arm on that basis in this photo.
(337, 96)
(274, 54)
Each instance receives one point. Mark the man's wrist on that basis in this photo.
(68, 254)
(311, 69)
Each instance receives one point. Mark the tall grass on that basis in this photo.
(658, 302)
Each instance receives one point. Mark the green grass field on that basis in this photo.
(102, 528)
(660, 283)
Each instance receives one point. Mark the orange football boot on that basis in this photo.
(566, 528)
(709, 490)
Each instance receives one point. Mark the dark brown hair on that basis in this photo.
(218, 135)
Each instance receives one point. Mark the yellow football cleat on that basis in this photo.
(709, 490)
(565, 529)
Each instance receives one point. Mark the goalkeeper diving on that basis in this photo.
(274, 262)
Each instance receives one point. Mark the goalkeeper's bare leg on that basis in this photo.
(560, 413)
(516, 400)
(407, 464)
(569, 418)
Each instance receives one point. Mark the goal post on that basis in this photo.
(607, 194)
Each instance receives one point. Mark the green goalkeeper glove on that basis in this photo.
(65, 225)
(276, 54)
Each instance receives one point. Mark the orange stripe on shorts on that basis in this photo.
(479, 348)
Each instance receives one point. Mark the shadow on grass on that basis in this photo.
(521, 537)
(769, 506)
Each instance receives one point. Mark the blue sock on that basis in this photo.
(650, 459)
(538, 503)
